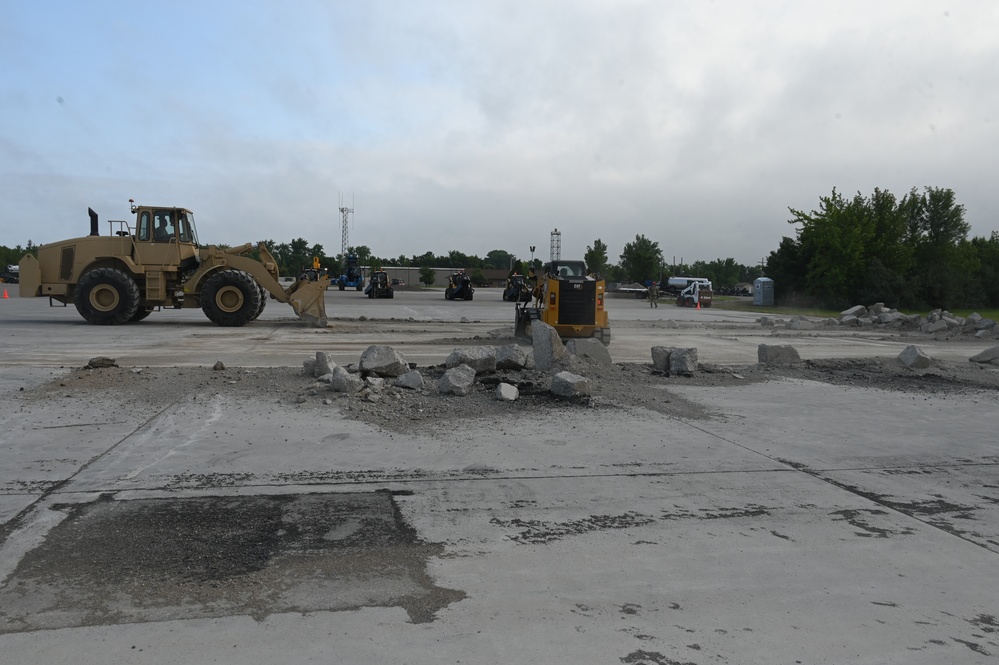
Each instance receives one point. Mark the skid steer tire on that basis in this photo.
(107, 297)
(341, 287)
(230, 298)
(689, 302)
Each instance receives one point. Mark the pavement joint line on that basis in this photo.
(15, 522)
(815, 473)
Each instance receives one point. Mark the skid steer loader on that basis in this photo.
(568, 298)
(156, 262)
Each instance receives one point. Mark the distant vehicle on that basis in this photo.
(11, 275)
(673, 286)
(517, 289)
(352, 276)
(459, 287)
(379, 287)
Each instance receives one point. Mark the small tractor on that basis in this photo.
(568, 298)
(379, 286)
(459, 287)
(11, 275)
(157, 263)
(696, 295)
(352, 276)
(516, 289)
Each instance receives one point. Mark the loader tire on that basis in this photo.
(140, 314)
(263, 303)
(230, 298)
(107, 297)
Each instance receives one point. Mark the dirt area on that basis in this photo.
(425, 411)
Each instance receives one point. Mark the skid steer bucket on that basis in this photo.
(308, 299)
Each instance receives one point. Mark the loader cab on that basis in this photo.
(566, 269)
(165, 225)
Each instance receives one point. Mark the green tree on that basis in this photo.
(428, 275)
(498, 259)
(596, 257)
(641, 259)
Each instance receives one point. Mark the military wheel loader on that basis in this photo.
(568, 298)
(157, 263)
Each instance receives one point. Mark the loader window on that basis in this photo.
(185, 221)
(163, 226)
(144, 232)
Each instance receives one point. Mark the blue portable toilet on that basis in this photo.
(763, 291)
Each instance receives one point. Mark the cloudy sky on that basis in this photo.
(484, 125)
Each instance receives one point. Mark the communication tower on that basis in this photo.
(345, 213)
(556, 247)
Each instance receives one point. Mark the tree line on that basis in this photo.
(908, 252)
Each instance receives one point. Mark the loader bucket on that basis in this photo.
(308, 299)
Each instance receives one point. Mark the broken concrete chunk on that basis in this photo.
(938, 325)
(218, 366)
(912, 356)
(324, 364)
(412, 380)
(383, 361)
(660, 357)
(325, 378)
(589, 349)
(777, 354)
(309, 367)
(548, 349)
(101, 361)
(990, 355)
(683, 361)
(766, 321)
(800, 323)
(374, 383)
(849, 320)
(857, 312)
(506, 392)
(567, 384)
(480, 358)
(511, 356)
(345, 382)
(456, 381)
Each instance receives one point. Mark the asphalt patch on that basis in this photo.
(111, 562)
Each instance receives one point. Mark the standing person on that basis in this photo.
(653, 294)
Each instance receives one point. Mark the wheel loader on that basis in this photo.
(568, 298)
(156, 262)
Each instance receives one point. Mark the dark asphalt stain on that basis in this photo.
(780, 535)
(985, 623)
(974, 646)
(856, 518)
(884, 604)
(650, 658)
(630, 608)
(112, 562)
(537, 532)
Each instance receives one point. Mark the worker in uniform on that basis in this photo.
(653, 294)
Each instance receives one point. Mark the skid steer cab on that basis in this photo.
(516, 289)
(459, 287)
(380, 286)
(154, 261)
(570, 299)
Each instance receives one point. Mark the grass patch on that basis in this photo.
(746, 305)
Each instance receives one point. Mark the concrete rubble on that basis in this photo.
(343, 381)
(506, 392)
(935, 322)
(912, 356)
(383, 361)
(480, 358)
(673, 360)
(412, 380)
(567, 384)
(548, 347)
(324, 364)
(988, 356)
(456, 381)
(589, 349)
(777, 354)
(511, 356)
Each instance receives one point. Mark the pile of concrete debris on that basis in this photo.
(384, 370)
(877, 315)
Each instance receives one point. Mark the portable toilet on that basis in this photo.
(763, 291)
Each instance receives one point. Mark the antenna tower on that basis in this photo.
(556, 248)
(344, 214)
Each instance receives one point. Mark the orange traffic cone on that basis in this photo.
(5, 294)
(698, 304)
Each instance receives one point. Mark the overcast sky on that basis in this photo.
(485, 125)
